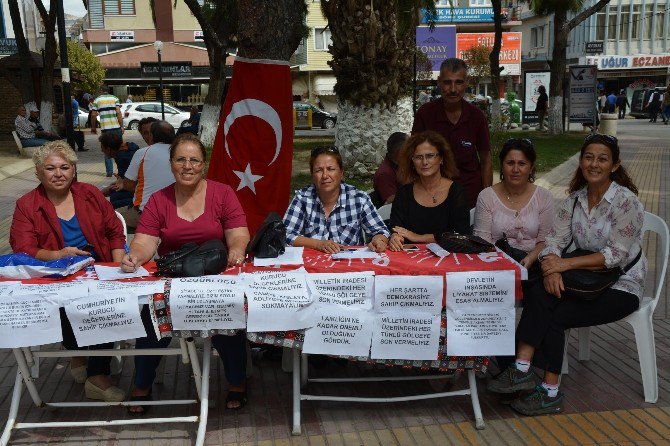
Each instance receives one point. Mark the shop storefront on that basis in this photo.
(630, 73)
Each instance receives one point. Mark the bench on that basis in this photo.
(23, 151)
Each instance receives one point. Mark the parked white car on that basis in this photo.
(133, 113)
(83, 119)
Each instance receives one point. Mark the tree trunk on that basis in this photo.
(368, 67)
(24, 81)
(47, 83)
(557, 70)
(211, 111)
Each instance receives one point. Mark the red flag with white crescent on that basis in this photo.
(253, 148)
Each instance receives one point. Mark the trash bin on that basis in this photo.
(608, 124)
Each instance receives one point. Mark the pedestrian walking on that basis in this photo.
(665, 106)
(542, 106)
(653, 105)
(109, 109)
(622, 103)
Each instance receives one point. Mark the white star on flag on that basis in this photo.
(247, 179)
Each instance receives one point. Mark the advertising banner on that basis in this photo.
(463, 15)
(510, 49)
(438, 44)
(122, 36)
(617, 62)
(531, 82)
(583, 93)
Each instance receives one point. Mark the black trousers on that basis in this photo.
(622, 112)
(546, 317)
(97, 365)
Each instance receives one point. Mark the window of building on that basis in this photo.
(660, 21)
(611, 25)
(537, 37)
(600, 25)
(624, 23)
(635, 22)
(480, 2)
(322, 39)
(648, 13)
(118, 7)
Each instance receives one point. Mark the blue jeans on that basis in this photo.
(33, 142)
(665, 113)
(109, 161)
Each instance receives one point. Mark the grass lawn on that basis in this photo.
(551, 152)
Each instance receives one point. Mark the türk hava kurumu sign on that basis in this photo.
(510, 50)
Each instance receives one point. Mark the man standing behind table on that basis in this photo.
(109, 109)
(148, 172)
(463, 126)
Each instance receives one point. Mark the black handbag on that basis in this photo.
(270, 240)
(534, 272)
(464, 243)
(193, 260)
(588, 284)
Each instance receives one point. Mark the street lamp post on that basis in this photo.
(159, 46)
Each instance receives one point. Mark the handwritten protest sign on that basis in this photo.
(353, 290)
(415, 293)
(6, 288)
(139, 288)
(407, 335)
(59, 292)
(480, 313)
(339, 331)
(29, 320)
(109, 317)
(278, 301)
(207, 303)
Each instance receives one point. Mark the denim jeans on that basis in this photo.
(33, 142)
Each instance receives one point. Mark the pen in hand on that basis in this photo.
(130, 264)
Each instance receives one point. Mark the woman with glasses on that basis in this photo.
(329, 213)
(603, 215)
(516, 208)
(430, 202)
(193, 209)
(63, 217)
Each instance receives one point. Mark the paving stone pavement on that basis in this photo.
(604, 402)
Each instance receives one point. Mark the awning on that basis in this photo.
(324, 85)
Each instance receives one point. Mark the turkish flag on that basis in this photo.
(253, 147)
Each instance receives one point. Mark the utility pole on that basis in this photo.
(65, 74)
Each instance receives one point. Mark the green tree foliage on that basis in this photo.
(87, 72)
(477, 59)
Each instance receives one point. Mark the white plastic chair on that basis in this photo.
(385, 211)
(640, 320)
(123, 222)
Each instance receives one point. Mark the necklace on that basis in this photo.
(509, 195)
(432, 195)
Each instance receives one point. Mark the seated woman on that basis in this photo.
(516, 207)
(601, 214)
(113, 146)
(193, 122)
(193, 209)
(429, 203)
(329, 213)
(60, 218)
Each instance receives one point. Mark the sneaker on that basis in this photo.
(512, 380)
(539, 403)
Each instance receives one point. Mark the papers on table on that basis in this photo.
(292, 256)
(115, 273)
(278, 301)
(109, 317)
(59, 293)
(6, 288)
(207, 303)
(437, 250)
(480, 313)
(29, 320)
(355, 253)
(352, 290)
(339, 331)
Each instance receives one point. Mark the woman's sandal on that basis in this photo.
(144, 410)
(239, 397)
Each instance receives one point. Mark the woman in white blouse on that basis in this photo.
(602, 215)
(516, 207)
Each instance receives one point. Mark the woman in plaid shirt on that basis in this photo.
(330, 214)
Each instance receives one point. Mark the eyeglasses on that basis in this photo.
(320, 150)
(609, 139)
(516, 142)
(182, 162)
(429, 157)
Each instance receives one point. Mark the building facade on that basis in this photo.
(635, 38)
(121, 33)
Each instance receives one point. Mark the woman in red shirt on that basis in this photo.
(193, 209)
(60, 218)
